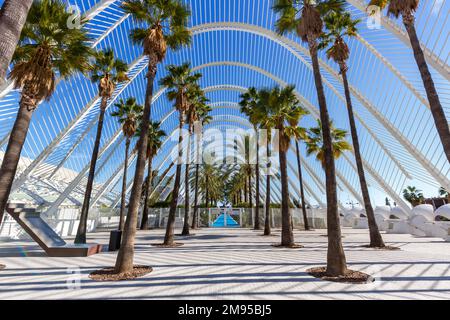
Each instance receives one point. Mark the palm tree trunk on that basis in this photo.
(187, 205)
(125, 257)
(437, 111)
(207, 189)
(13, 16)
(169, 236)
(195, 214)
(257, 222)
(246, 193)
(250, 200)
(302, 190)
(375, 237)
(336, 261)
(287, 236)
(17, 138)
(144, 222)
(81, 232)
(267, 229)
(124, 186)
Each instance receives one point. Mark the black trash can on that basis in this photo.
(114, 240)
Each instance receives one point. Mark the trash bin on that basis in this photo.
(114, 240)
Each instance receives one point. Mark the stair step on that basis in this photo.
(15, 205)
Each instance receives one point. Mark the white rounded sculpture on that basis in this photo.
(350, 216)
(424, 210)
(399, 213)
(383, 211)
(443, 211)
(382, 214)
(360, 212)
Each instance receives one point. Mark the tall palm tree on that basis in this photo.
(261, 109)
(40, 55)
(316, 146)
(302, 136)
(248, 103)
(285, 112)
(195, 100)
(178, 81)
(204, 118)
(305, 18)
(13, 16)
(166, 22)
(128, 114)
(155, 137)
(413, 195)
(407, 9)
(107, 72)
(339, 26)
(249, 172)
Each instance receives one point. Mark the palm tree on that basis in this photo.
(204, 118)
(302, 135)
(13, 16)
(413, 195)
(196, 101)
(248, 103)
(179, 80)
(285, 112)
(262, 108)
(444, 193)
(315, 145)
(210, 183)
(305, 17)
(107, 72)
(338, 27)
(155, 137)
(128, 114)
(41, 54)
(407, 9)
(166, 23)
(246, 171)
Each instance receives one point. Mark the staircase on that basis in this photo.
(30, 220)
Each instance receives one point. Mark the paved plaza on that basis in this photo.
(232, 264)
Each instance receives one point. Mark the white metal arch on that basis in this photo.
(440, 178)
(286, 43)
(439, 65)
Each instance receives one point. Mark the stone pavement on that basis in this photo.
(232, 264)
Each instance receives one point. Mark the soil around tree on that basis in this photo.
(385, 248)
(109, 274)
(292, 246)
(173, 245)
(2, 266)
(351, 276)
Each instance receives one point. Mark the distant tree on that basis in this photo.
(413, 196)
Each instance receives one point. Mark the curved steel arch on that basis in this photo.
(437, 175)
(439, 65)
(120, 169)
(247, 124)
(307, 103)
(412, 150)
(281, 82)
